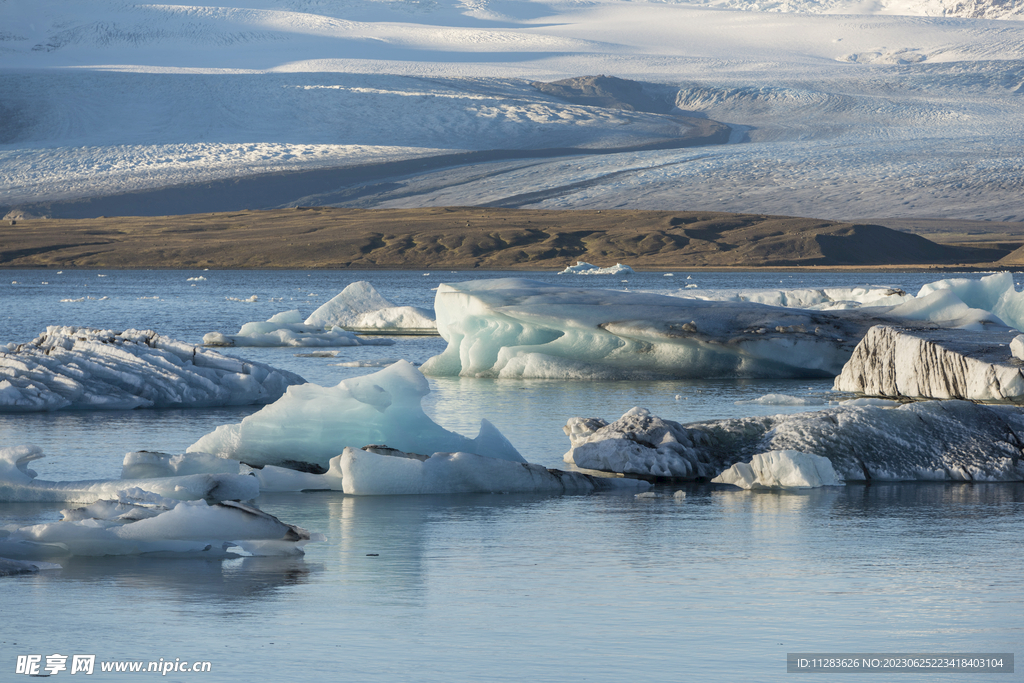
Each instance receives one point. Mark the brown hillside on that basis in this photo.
(464, 238)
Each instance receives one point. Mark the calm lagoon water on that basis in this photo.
(716, 586)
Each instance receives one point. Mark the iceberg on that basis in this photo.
(925, 441)
(584, 268)
(287, 329)
(994, 293)
(18, 483)
(940, 364)
(514, 328)
(375, 472)
(140, 522)
(78, 368)
(311, 424)
(781, 470)
(360, 308)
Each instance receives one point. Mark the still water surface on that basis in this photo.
(716, 586)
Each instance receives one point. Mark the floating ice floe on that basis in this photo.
(18, 483)
(926, 441)
(287, 329)
(384, 471)
(584, 268)
(941, 364)
(781, 400)
(138, 522)
(150, 465)
(10, 567)
(311, 424)
(360, 308)
(80, 368)
(781, 470)
(521, 328)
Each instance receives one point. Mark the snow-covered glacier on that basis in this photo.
(837, 108)
(925, 441)
(311, 424)
(79, 368)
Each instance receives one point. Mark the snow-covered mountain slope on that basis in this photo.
(834, 114)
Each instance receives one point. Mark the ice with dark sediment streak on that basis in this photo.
(311, 424)
(139, 521)
(925, 441)
(941, 364)
(78, 368)
(19, 483)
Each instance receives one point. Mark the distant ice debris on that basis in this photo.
(376, 471)
(782, 400)
(378, 363)
(18, 483)
(78, 368)
(360, 308)
(926, 441)
(941, 364)
(139, 522)
(781, 470)
(824, 299)
(251, 300)
(287, 329)
(311, 424)
(584, 268)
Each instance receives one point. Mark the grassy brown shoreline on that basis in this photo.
(466, 238)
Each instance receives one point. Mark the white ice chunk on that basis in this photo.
(287, 329)
(18, 483)
(361, 308)
(371, 473)
(312, 424)
(926, 441)
(781, 400)
(781, 470)
(584, 268)
(897, 363)
(128, 527)
(81, 368)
